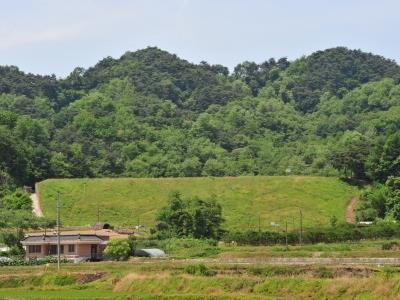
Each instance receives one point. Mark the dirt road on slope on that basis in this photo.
(350, 210)
(36, 210)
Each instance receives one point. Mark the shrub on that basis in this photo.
(199, 270)
(18, 261)
(340, 233)
(17, 200)
(62, 280)
(391, 246)
(324, 272)
(118, 249)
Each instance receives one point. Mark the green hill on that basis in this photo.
(245, 200)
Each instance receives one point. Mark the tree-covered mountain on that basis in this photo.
(151, 114)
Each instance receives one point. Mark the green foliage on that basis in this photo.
(16, 201)
(351, 153)
(192, 217)
(324, 272)
(199, 270)
(334, 221)
(335, 71)
(181, 247)
(12, 239)
(390, 246)
(340, 233)
(18, 261)
(118, 249)
(23, 219)
(190, 247)
(381, 201)
(385, 160)
(152, 114)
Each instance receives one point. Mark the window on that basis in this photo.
(35, 249)
(71, 248)
(53, 249)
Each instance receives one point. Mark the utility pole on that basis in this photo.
(301, 227)
(98, 212)
(259, 223)
(286, 238)
(58, 231)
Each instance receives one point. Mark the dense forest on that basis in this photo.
(151, 114)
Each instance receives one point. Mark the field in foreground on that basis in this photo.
(224, 272)
(199, 279)
(246, 201)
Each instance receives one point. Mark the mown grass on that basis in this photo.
(246, 201)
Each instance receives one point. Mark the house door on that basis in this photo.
(93, 251)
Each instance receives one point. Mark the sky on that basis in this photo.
(54, 36)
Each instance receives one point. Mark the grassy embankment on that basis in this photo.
(245, 200)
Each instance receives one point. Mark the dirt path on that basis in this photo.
(350, 214)
(291, 261)
(36, 210)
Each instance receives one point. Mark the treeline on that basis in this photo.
(152, 114)
(335, 234)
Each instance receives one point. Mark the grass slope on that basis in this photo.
(245, 200)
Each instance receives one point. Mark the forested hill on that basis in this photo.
(150, 113)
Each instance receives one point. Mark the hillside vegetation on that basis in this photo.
(152, 114)
(244, 199)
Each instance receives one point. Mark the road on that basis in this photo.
(350, 214)
(287, 261)
(36, 210)
(314, 261)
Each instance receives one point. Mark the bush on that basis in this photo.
(324, 272)
(17, 200)
(391, 246)
(199, 270)
(118, 249)
(340, 233)
(18, 261)
(63, 280)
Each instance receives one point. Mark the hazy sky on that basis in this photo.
(54, 36)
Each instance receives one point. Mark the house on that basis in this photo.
(72, 246)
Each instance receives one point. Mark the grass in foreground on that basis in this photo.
(146, 279)
(362, 249)
(245, 200)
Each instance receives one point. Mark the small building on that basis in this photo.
(149, 253)
(72, 246)
(101, 225)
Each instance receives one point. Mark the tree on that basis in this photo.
(193, 217)
(384, 161)
(350, 154)
(118, 249)
(17, 201)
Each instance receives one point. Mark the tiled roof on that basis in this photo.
(90, 238)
